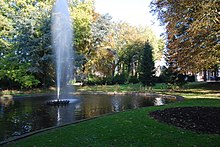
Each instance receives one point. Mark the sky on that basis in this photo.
(134, 12)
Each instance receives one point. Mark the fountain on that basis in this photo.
(62, 36)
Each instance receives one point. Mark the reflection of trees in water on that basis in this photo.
(121, 103)
(25, 115)
(20, 118)
(6, 100)
(94, 106)
(32, 120)
(7, 113)
(64, 114)
(159, 101)
(116, 104)
(148, 101)
(42, 118)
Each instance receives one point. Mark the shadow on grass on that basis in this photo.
(205, 86)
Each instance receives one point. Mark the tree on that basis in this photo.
(33, 43)
(101, 63)
(147, 66)
(101, 27)
(128, 42)
(5, 28)
(26, 60)
(101, 57)
(102, 46)
(192, 33)
(82, 15)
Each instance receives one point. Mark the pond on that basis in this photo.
(22, 115)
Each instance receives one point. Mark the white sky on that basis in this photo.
(135, 12)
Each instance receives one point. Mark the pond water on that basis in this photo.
(22, 115)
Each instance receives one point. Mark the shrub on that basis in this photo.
(133, 79)
(119, 79)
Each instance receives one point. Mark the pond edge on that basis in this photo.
(16, 138)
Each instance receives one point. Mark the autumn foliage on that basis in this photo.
(193, 29)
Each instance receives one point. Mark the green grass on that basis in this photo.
(198, 90)
(190, 90)
(28, 91)
(122, 88)
(130, 128)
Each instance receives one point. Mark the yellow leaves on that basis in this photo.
(192, 28)
(82, 14)
(101, 62)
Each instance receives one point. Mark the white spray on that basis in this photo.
(62, 36)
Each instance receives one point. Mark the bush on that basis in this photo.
(133, 79)
(94, 80)
(174, 78)
(119, 79)
(191, 78)
(159, 79)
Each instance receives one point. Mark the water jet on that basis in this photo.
(62, 36)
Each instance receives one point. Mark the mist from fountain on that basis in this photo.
(62, 36)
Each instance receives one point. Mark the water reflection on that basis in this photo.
(159, 101)
(23, 115)
(116, 103)
(5, 101)
(64, 114)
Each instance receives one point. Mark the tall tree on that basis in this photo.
(101, 55)
(193, 29)
(82, 15)
(5, 27)
(26, 60)
(129, 41)
(33, 44)
(147, 66)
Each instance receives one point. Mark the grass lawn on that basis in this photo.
(197, 90)
(133, 127)
(190, 90)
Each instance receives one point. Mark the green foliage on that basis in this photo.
(33, 41)
(147, 66)
(100, 58)
(129, 42)
(174, 78)
(5, 27)
(133, 79)
(100, 30)
(82, 15)
(18, 73)
(117, 79)
(120, 79)
(25, 59)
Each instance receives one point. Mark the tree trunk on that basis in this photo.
(216, 73)
(204, 75)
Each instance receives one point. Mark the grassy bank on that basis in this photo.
(28, 91)
(190, 90)
(130, 128)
